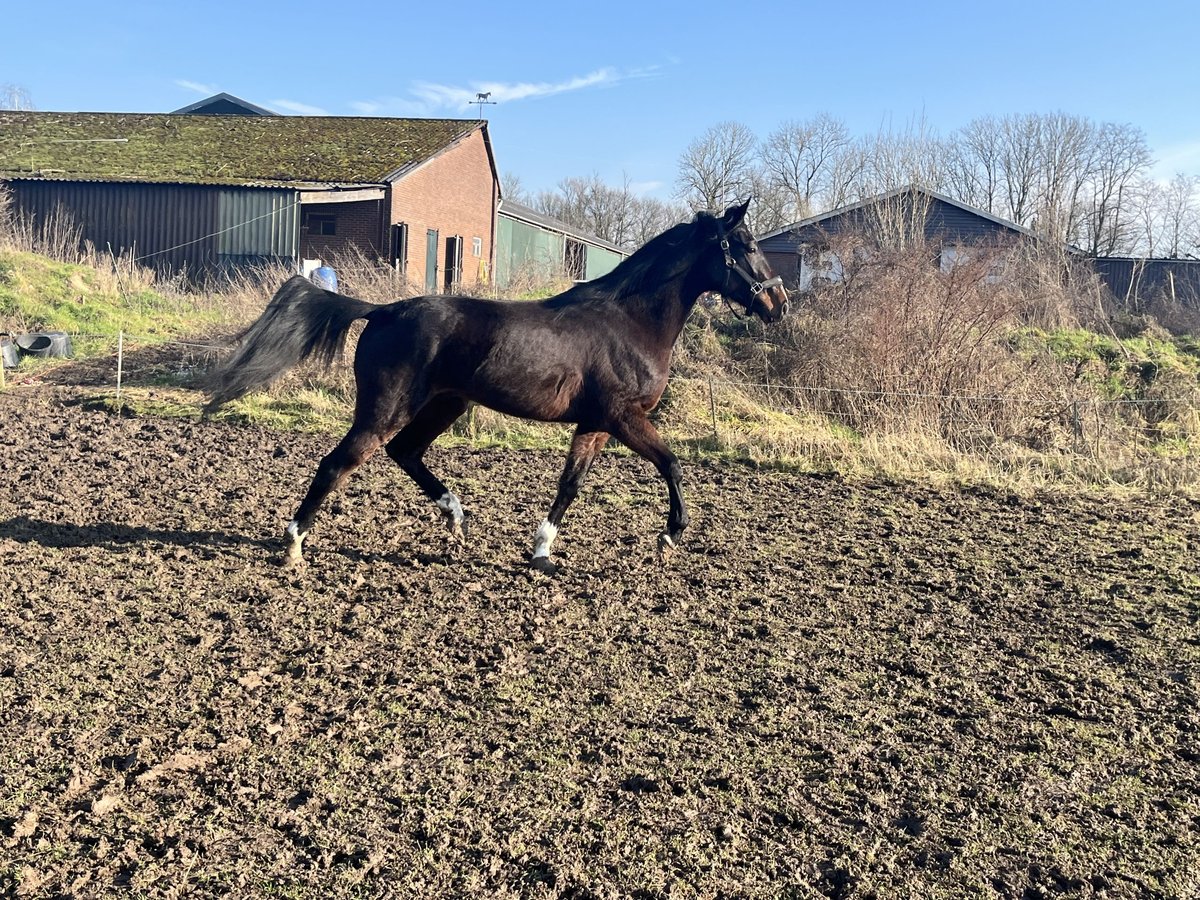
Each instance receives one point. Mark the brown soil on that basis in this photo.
(846, 689)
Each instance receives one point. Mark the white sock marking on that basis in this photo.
(451, 507)
(293, 531)
(546, 534)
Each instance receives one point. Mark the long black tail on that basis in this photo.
(301, 321)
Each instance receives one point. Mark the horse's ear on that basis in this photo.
(734, 215)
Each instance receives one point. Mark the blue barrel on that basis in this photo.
(324, 276)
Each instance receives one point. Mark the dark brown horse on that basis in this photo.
(596, 356)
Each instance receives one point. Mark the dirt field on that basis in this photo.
(839, 689)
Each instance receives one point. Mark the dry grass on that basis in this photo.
(899, 368)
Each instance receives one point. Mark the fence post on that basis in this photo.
(712, 411)
(120, 365)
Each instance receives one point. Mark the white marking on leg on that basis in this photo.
(451, 509)
(546, 534)
(293, 555)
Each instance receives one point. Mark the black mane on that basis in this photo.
(659, 259)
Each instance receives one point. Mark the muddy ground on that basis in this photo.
(846, 689)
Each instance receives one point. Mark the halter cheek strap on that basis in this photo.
(756, 287)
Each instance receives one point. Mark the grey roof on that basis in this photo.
(888, 195)
(515, 210)
(251, 108)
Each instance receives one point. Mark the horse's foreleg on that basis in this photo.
(348, 455)
(640, 436)
(585, 447)
(408, 448)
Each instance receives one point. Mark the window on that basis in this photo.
(321, 224)
(477, 247)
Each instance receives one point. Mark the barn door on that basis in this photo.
(431, 261)
(454, 256)
(399, 248)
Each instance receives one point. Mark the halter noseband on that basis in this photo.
(756, 287)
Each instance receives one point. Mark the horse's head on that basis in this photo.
(745, 276)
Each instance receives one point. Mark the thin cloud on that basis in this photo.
(196, 86)
(427, 97)
(300, 109)
(642, 188)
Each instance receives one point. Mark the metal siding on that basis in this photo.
(165, 226)
(171, 227)
(1139, 281)
(600, 261)
(257, 222)
(524, 250)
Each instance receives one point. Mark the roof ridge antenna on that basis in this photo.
(481, 100)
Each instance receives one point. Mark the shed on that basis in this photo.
(1138, 282)
(205, 193)
(799, 251)
(540, 247)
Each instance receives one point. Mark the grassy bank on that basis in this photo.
(1031, 407)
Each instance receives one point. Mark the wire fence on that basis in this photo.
(733, 404)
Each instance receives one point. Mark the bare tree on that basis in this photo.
(613, 213)
(1019, 158)
(1119, 157)
(651, 217)
(13, 96)
(1062, 175)
(975, 170)
(1064, 152)
(899, 158)
(847, 174)
(1168, 216)
(718, 167)
(798, 161)
(512, 189)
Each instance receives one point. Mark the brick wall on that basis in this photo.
(455, 194)
(357, 225)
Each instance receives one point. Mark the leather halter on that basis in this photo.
(756, 287)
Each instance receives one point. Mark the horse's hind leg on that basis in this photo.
(353, 450)
(408, 448)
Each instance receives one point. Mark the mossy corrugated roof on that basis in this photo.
(218, 149)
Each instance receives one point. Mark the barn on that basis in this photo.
(800, 252)
(203, 193)
(533, 246)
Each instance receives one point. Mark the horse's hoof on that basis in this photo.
(542, 564)
(458, 530)
(666, 547)
(292, 558)
(291, 561)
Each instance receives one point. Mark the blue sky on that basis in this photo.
(620, 88)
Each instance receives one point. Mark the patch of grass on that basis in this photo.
(41, 294)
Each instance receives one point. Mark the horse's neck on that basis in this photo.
(666, 310)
